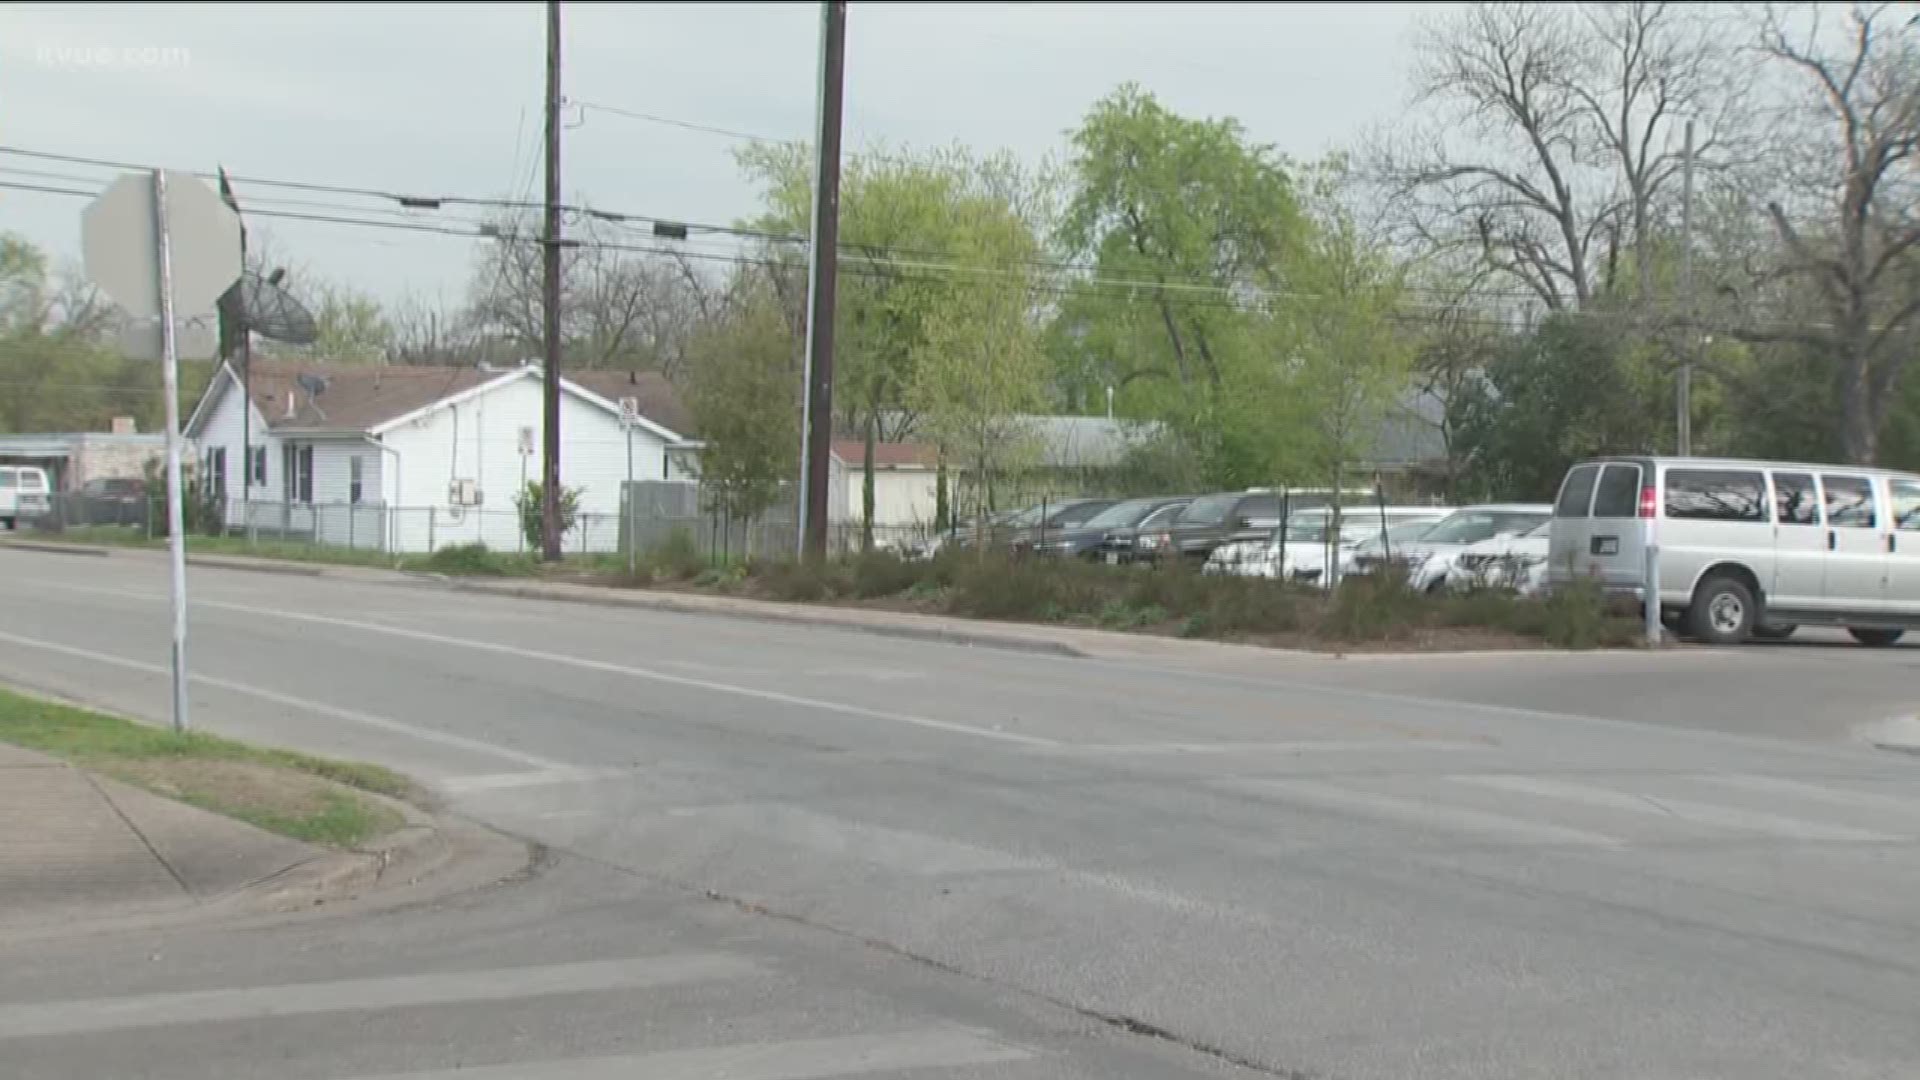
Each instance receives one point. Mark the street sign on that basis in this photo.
(196, 337)
(629, 411)
(119, 239)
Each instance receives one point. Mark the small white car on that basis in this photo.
(1302, 555)
(1504, 562)
(1429, 559)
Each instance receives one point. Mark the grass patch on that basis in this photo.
(282, 791)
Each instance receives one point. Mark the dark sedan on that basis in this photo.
(1043, 524)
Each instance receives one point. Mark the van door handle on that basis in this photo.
(1833, 539)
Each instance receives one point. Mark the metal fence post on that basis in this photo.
(433, 516)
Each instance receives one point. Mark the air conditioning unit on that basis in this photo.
(463, 493)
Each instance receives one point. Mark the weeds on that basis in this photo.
(472, 560)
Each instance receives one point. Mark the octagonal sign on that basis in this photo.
(117, 237)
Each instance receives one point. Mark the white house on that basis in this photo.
(905, 484)
(412, 458)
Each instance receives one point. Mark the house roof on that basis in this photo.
(886, 455)
(362, 397)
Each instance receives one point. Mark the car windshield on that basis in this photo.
(1209, 510)
(1074, 515)
(1473, 526)
(1307, 527)
(1405, 532)
(1121, 515)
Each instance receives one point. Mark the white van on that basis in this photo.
(1747, 547)
(23, 494)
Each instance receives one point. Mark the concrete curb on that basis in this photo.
(55, 548)
(766, 611)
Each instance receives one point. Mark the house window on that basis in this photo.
(216, 482)
(353, 478)
(298, 462)
(257, 466)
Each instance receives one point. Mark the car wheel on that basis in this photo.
(1779, 632)
(1722, 611)
(1877, 638)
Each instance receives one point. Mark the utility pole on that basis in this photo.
(1683, 392)
(550, 304)
(822, 267)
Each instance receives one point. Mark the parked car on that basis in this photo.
(1088, 540)
(109, 501)
(1397, 539)
(986, 528)
(24, 494)
(1040, 524)
(1504, 562)
(1143, 541)
(1747, 548)
(1303, 556)
(1428, 559)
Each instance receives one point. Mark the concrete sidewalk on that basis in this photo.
(77, 848)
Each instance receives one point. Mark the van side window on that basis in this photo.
(8, 478)
(1576, 493)
(1618, 495)
(1795, 499)
(1906, 504)
(1849, 502)
(1716, 495)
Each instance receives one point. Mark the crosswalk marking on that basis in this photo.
(1790, 828)
(296, 999)
(797, 1059)
(1423, 812)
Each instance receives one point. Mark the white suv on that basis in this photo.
(23, 494)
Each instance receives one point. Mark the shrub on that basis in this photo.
(677, 558)
(470, 559)
(882, 573)
(529, 501)
(1120, 615)
(1372, 607)
(799, 579)
(1577, 616)
(1253, 605)
(1034, 589)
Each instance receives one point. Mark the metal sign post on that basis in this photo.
(629, 415)
(176, 515)
(158, 244)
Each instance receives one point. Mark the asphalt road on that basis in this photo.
(1657, 867)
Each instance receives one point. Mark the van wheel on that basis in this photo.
(1779, 632)
(1877, 638)
(1722, 611)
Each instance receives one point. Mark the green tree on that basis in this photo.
(1186, 222)
(981, 364)
(529, 501)
(903, 219)
(744, 397)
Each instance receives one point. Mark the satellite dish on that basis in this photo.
(259, 304)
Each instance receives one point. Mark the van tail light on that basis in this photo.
(1649, 502)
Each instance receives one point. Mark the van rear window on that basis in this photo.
(1618, 494)
(1576, 493)
(1716, 495)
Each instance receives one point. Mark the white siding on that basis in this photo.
(223, 427)
(478, 439)
(901, 497)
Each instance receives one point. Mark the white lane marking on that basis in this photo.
(796, 1059)
(1678, 809)
(1421, 812)
(910, 852)
(642, 673)
(1300, 746)
(321, 708)
(354, 995)
(465, 785)
(1907, 809)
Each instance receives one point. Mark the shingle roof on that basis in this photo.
(886, 455)
(360, 397)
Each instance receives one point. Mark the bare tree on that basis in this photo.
(1848, 224)
(622, 308)
(1548, 135)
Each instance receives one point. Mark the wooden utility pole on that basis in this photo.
(823, 266)
(550, 304)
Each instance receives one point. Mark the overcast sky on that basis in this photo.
(445, 99)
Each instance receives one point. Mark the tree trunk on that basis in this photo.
(1859, 419)
(941, 512)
